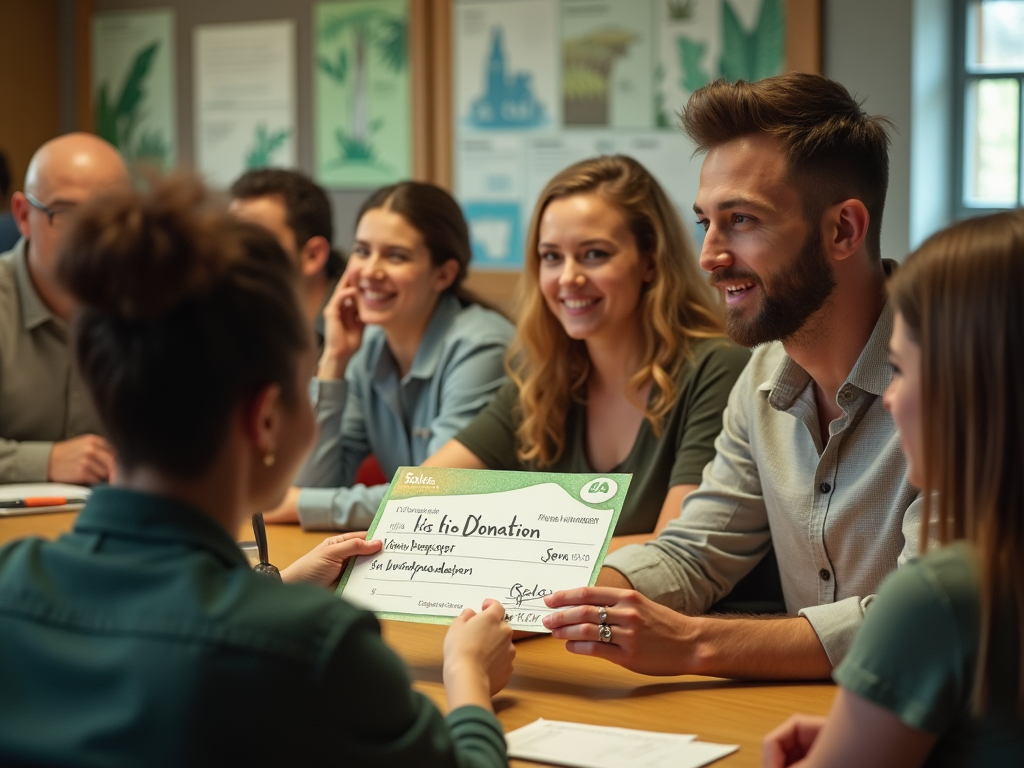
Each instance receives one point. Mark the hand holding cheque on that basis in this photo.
(455, 538)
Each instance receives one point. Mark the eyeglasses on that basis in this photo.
(52, 214)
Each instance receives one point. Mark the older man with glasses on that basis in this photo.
(48, 430)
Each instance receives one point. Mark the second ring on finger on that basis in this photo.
(602, 615)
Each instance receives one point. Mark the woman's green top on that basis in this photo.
(678, 457)
(916, 656)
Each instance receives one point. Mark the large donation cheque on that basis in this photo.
(455, 537)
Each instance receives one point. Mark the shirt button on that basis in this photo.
(825, 575)
(824, 487)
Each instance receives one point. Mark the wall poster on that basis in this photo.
(244, 90)
(362, 102)
(133, 84)
(541, 84)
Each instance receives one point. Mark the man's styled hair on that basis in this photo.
(834, 150)
(308, 211)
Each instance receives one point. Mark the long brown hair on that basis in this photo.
(551, 369)
(958, 295)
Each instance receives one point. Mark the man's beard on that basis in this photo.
(788, 297)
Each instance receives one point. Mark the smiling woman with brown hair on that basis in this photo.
(620, 361)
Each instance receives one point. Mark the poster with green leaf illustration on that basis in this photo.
(244, 86)
(362, 102)
(133, 84)
(702, 40)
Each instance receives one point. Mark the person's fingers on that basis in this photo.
(779, 743)
(584, 596)
(494, 609)
(342, 550)
(578, 614)
(462, 618)
(612, 653)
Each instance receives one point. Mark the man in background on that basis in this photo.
(298, 213)
(48, 428)
(9, 233)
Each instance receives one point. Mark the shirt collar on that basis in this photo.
(33, 311)
(429, 352)
(135, 515)
(871, 373)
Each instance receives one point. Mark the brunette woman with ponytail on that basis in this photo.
(410, 356)
(143, 637)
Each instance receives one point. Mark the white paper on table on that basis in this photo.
(455, 537)
(579, 745)
(20, 491)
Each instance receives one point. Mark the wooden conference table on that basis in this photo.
(551, 683)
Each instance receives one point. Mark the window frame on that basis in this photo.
(965, 78)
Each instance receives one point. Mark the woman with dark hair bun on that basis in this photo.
(410, 357)
(142, 637)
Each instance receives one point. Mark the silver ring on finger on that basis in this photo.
(602, 614)
(604, 633)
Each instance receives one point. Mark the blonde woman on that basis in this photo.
(935, 673)
(620, 362)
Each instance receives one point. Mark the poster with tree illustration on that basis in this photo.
(362, 101)
(133, 84)
(702, 40)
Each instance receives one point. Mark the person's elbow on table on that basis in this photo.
(287, 511)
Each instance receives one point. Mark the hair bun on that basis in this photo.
(136, 254)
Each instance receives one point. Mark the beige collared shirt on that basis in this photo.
(42, 398)
(840, 517)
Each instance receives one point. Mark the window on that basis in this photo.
(990, 139)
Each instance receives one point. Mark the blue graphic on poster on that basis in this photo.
(496, 233)
(508, 100)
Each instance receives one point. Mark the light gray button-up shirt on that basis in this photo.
(458, 369)
(42, 398)
(840, 517)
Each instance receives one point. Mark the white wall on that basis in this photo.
(867, 47)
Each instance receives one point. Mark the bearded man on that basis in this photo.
(791, 196)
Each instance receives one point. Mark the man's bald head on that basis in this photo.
(81, 162)
(63, 173)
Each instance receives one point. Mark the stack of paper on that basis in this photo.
(594, 746)
(29, 498)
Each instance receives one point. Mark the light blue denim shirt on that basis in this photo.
(457, 371)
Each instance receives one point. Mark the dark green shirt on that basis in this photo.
(143, 638)
(916, 655)
(678, 457)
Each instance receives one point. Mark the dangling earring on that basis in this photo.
(268, 460)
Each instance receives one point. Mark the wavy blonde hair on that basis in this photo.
(958, 295)
(549, 368)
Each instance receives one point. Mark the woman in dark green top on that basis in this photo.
(620, 361)
(934, 676)
(142, 637)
